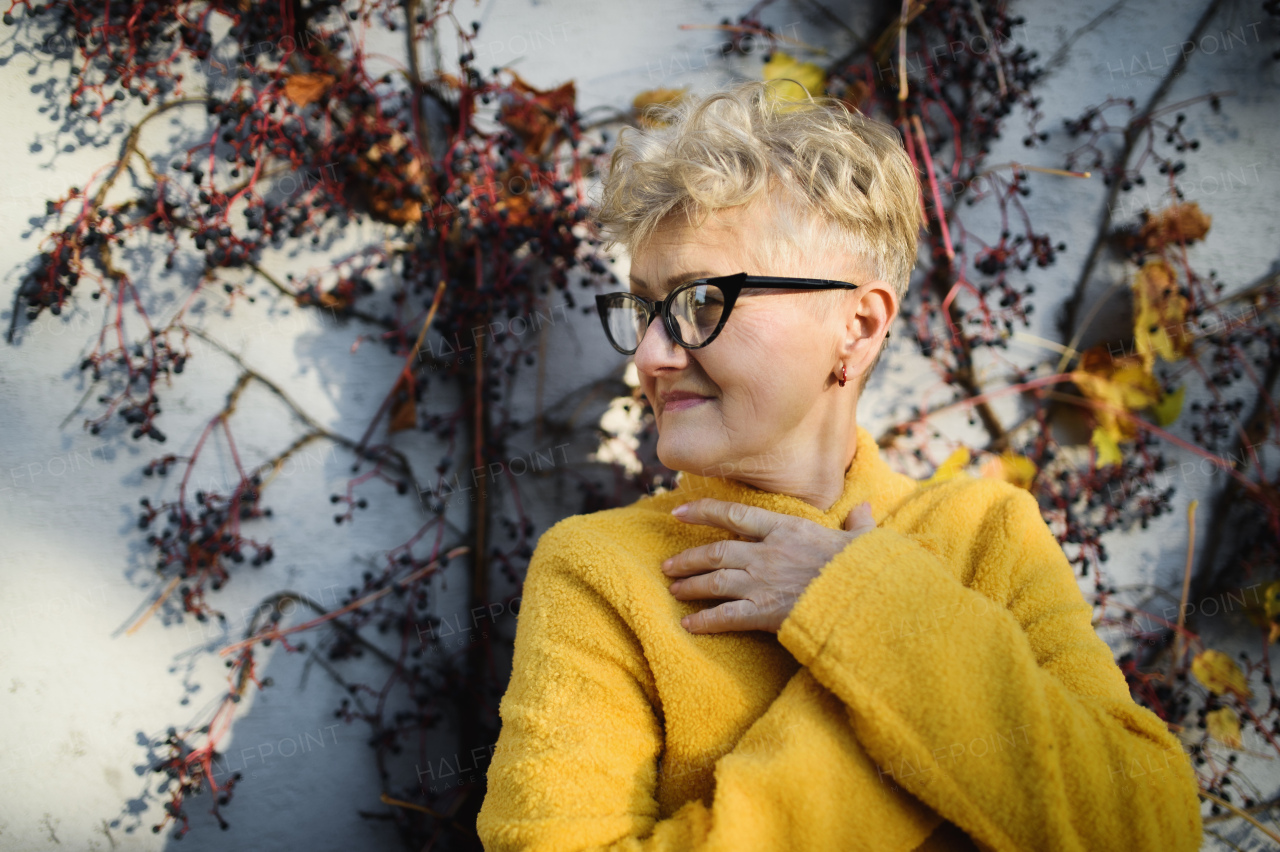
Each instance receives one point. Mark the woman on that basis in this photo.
(798, 648)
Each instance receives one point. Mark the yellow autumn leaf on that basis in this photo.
(955, 463)
(655, 97)
(1224, 726)
(1170, 406)
(1121, 382)
(1271, 599)
(1011, 467)
(785, 69)
(1159, 314)
(1219, 673)
(1268, 613)
(1264, 610)
(1108, 449)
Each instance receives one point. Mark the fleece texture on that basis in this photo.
(939, 686)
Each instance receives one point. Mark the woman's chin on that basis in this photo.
(686, 455)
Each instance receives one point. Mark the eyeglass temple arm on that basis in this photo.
(744, 280)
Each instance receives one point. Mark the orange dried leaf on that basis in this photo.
(383, 195)
(1224, 726)
(535, 118)
(1219, 673)
(333, 301)
(304, 89)
(1159, 314)
(517, 207)
(856, 94)
(404, 410)
(1179, 223)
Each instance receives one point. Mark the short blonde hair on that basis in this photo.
(847, 184)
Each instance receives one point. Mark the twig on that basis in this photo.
(1186, 580)
(354, 605)
(1244, 816)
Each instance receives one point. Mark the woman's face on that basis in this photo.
(763, 394)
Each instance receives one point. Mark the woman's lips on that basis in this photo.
(681, 403)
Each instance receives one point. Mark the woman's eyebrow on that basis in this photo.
(671, 282)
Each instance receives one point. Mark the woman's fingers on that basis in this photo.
(729, 616)
(860, 519)
(724, 583)
(750, 521)
(708, 557)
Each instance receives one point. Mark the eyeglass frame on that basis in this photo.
(732, 287)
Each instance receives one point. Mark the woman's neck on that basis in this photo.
(817, 477)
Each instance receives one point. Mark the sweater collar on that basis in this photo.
(868, 478)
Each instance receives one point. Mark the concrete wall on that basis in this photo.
(79, 695)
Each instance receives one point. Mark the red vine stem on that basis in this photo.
(354, 605)
(939, 211)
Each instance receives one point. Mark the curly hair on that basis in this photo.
(847, 185)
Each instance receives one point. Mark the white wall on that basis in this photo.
(78, 694)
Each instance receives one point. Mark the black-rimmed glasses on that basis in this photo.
(694, 312)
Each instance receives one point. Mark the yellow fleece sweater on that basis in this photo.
(938, 685)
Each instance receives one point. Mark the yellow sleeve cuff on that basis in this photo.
(828, 597)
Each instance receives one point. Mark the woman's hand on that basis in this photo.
(762, 578)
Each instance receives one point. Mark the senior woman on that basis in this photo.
(797, 647)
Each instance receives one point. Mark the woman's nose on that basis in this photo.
(657, 351)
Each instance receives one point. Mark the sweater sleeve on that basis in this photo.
(1004, 713)
(577, 759)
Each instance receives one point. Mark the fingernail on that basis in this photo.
(681, 510)
(673, 586)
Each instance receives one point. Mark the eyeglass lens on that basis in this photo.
(696, 311)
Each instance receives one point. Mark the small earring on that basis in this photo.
(843, 376)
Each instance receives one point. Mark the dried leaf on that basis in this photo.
(304, 89)
(404, 410)
(955, 464)
(1179, 223)
(1271, 599)
(651, 97)
(385, 179)
(1265, 612)
(1105, 444)
(1219, 673)
(333, 301)
(1159, 314)
(781, 66)
(1122, 382)
(535, 118)
(1224, 726)
(1166, 411)
(856, 94)
(1011, 467)
(517, 207)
